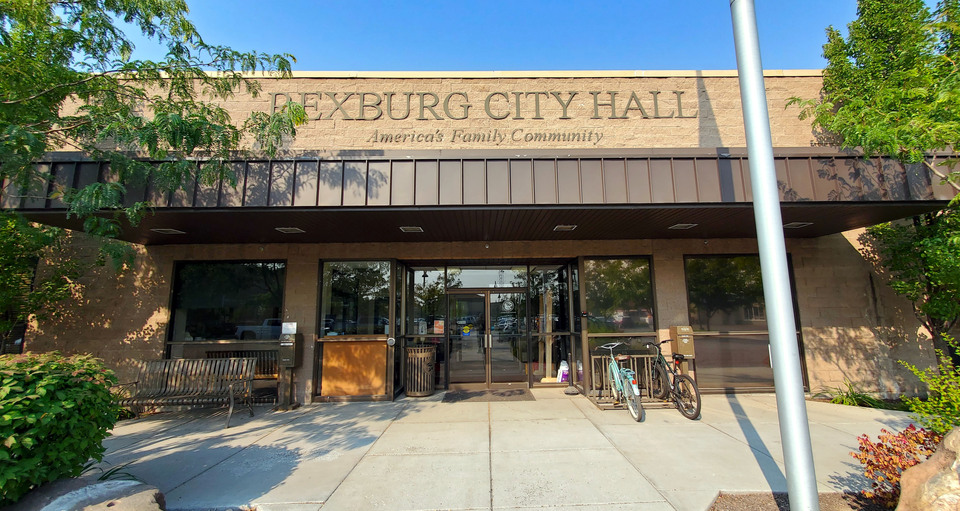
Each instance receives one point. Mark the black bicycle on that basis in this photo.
(667, 382)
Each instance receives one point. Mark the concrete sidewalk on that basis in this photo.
(556, 452)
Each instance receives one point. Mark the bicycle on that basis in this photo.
(623, 382)
(677, 387)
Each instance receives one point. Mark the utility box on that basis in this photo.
(681, 340)
(290, 347)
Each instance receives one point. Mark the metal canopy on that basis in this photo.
(509, 197)
(503, 224)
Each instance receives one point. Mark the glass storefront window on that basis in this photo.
(227, 300)
(356, 298)
(487, 276)
(732, 361)
(726, 306)
(619, 295)
(426, 301)
(575, 296)
(550, 353)
(548, 299)
(725, 294)
(398, 329)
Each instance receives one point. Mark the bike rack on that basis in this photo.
(640, 364)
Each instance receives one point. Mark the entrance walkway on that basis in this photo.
(557, 451)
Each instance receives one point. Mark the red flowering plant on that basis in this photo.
(885, 460)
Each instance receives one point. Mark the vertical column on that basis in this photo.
(787, 376)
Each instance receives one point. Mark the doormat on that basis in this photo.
(486, 396)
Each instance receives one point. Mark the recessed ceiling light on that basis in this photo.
(411, 228)
(565, 227)
(682, 226)
(290, 230)
(796, 225)
(167, 231)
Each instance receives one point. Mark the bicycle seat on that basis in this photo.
(678, 356)
(621, 358)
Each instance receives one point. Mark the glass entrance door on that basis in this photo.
(508, 337)
(467, 324)
(488, 339)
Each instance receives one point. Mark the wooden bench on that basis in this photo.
(190, 382)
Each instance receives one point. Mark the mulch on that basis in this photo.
(780, 502)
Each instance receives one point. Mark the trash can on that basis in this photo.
(420, 370)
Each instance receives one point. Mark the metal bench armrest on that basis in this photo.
(120, 386)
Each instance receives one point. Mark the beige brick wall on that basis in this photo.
(709, 103)
(119, 317)
(853, 327)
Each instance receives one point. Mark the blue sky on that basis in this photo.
(492, 35)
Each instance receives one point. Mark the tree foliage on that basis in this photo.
(722, 284)
(614, 288)
(940, 412)
(68, 82)
(22, 293)
(892, 86)
(921, 261)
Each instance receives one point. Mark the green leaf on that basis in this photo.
(890, 87)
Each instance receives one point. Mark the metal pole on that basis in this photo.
(787, 377)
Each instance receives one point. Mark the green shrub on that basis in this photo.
(941, 410)
(853, 396)
(55, 412)
(886, 459)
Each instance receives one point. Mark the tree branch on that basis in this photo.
(159, 69)
(66, 128)
(55, 87)
(941, 175)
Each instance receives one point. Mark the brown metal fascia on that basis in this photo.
(493, 154)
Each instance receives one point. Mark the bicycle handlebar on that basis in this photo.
(610, 345)
(650, 344)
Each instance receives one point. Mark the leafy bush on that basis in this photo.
(55, 412)
(941, 410)
(887, 458)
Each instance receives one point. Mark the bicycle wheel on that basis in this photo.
(687, 397)
(658, 382)
(633, 403)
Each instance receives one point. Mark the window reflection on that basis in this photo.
(726, 307)
(575, 296)
(227, 300)
(426, 301)
(548, 295)
(487, 276)
(725, 293)
(619, 295)
(356, 298)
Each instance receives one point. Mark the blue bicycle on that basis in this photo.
(623, 382)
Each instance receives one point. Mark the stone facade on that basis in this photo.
(613, 110)
(853, 327)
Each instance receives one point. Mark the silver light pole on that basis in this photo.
(787, 377)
